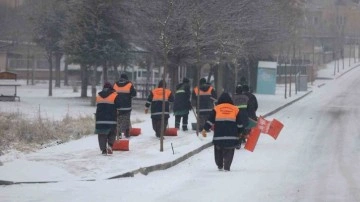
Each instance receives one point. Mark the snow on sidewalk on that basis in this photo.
(82, 159)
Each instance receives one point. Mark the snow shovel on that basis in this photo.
(170, 131)
(275, 128)
(263, 125)
(252, 139)
(135, 131)
(121, 144)
(194, 125)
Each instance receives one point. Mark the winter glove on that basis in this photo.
(203, 133)
(247, 131)
(190, 107)
(146, 110)
(244, 135)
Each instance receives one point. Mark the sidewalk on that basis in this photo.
(81, 159)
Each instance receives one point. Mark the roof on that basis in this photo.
(266, 64)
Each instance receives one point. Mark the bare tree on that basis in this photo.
(94, 38)
(47, 21)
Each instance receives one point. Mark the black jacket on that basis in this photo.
(228, 121)
(207, 96)
(155, 99)
(182, 98)
(252, 105)
(240, 100)
(107, 101)
(126, 92)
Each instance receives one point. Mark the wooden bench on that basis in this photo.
(8, 86)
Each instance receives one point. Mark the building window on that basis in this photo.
(42, 64)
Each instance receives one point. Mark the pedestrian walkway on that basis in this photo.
(81, 159)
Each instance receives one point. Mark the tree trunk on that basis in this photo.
(149, 69)
(50, 72)
(93, 87)
(66, 76)
(84, 80)
(57, 69)
(173, 71)
(27, 65)
(105, 73)
(220, 79)
(116, 73)
(33, 71)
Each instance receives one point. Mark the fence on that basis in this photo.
(143, 88)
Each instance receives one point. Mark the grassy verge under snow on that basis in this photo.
(30, 134)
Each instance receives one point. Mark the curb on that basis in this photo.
(347, 71)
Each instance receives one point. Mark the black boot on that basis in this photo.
(185, 128)
(127, 134)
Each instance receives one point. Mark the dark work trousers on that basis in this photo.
(156, 124)
(107, 139)
(202, 119)
(124, 124)
(223, 157)
(184, 121)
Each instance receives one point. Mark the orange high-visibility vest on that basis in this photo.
(108, 100)
(158, 94)
(226, 112)
(208, 92)
(122, 89)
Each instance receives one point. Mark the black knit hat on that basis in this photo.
(107, 85)
(225, 98)
(123, 76)
(245, 88)
(239, 89)
(186, 80)
(162, 84)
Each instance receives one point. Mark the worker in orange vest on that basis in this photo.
(155, 100)
(207, 96)
(107, 101)
(228, 121)
(126, 91)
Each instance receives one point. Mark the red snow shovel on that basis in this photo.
(171, 132)
(252, 139)
(121, 145)
(135, 131)
(275, 128)
(263, 125)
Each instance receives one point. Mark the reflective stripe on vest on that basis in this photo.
(226, 112)
(106, 122)
(108, 100)
(159, 113)
(158, 94)
(208, 92)
(122, 89)
(226, 138)
(242, 106)
(180, 91)
(124, 109)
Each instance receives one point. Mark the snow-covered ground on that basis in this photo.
(270, 173)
